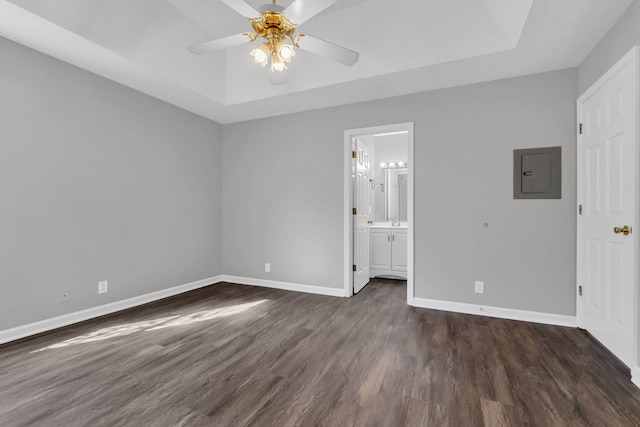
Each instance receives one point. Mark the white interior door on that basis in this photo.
(607, 188)
(361, 218)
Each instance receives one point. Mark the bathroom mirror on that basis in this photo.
(395, 187)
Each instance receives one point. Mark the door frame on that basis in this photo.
(632, 56)
(348, 203)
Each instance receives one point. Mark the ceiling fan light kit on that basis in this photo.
(279, 34)
(275, 28)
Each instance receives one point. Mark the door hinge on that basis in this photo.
(355, 268)
(355, 211)
(580, 290)
(580, 128)
(354, 154)
(580, 209)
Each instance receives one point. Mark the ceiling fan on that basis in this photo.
(277, 26)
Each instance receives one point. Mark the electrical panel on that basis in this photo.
(537, 173)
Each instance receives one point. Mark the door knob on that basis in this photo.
(626, 230)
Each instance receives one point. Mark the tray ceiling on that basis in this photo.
(405, 46)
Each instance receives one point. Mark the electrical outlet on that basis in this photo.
(103, 287)
(267, 267)
(479, 287)
(66, 295)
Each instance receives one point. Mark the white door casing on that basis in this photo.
(607, 193)
(349, 134)
(361, 217)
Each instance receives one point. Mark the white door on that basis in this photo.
(607, 188)
(361, 218)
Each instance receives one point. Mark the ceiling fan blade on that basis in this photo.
(329, 50)
(242, 7)
(218, 44)
(302, 10)
(277, 78)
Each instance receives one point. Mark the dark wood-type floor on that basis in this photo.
(232, 355)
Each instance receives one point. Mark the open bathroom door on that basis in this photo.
(361, 217)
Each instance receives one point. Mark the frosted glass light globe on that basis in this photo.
(285, 52)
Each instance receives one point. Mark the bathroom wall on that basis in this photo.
(389, 148)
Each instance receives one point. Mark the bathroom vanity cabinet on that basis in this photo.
(388, 254)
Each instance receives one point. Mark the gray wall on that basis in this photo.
(619, 40)
(98, 181)
(101, 182)
(283, 193)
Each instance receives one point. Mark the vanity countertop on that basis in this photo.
(388, 225)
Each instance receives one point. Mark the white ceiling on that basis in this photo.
(405, 46)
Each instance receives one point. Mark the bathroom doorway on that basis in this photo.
(378, 199)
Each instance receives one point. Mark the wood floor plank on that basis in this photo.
(500, 415)
(231, 355)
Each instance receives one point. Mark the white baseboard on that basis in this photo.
(502, 313)
(90, 313)
(286, 286)
(635, 375)
(30, 329)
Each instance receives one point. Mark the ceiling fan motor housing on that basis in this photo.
(273, 25)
